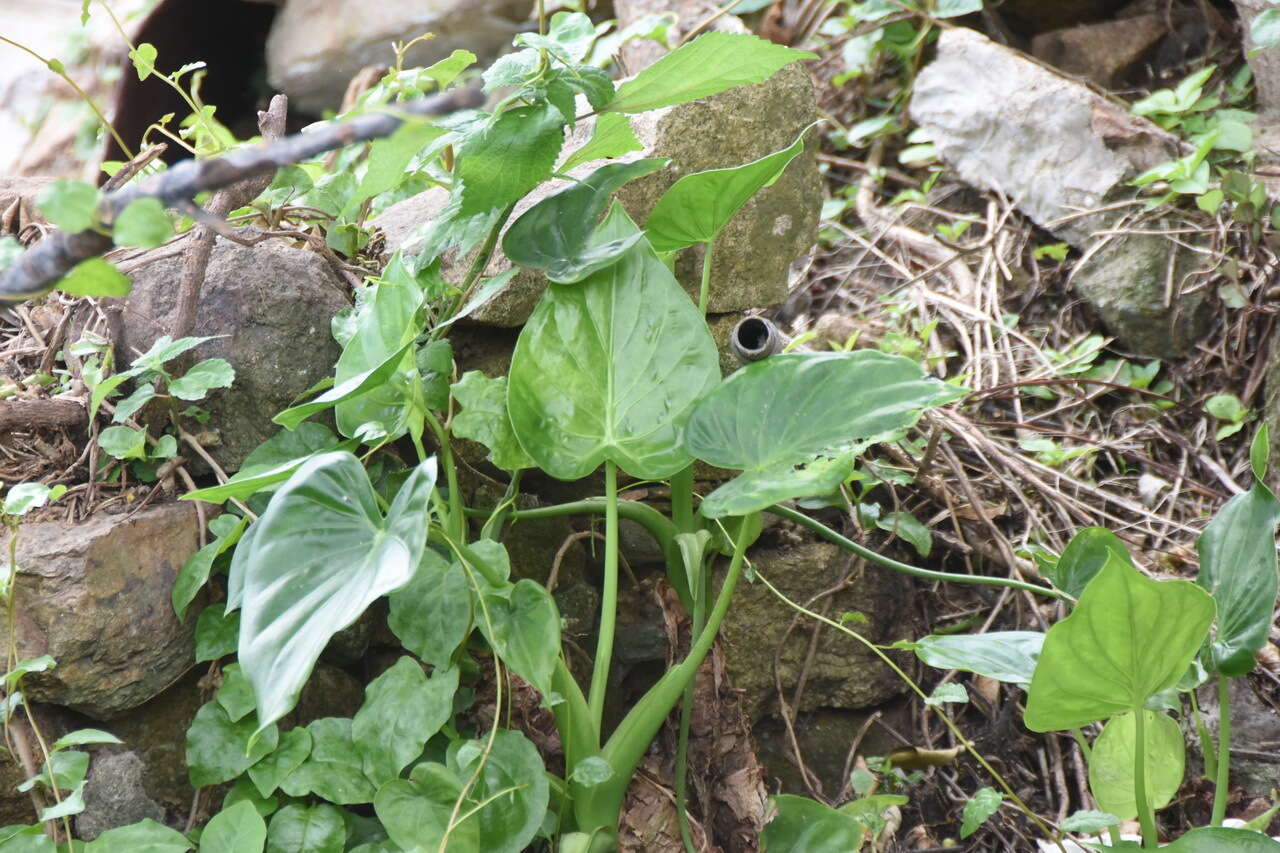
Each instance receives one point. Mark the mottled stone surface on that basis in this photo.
(95, 596)
(841, 673)
(269, 306)
(115, 795)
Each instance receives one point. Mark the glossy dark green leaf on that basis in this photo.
(1008, 656)
(319, 555)
(243, 791)
(523, 626)
(1086, 553)
(235, 694)
(1238, 568)
(483, 418)
(95, 277)
(334, 769)
(1118, 647)
(1111, 763)
(908, 528)
(142, 223)
(290, 445)
(697, 207)
(307, 829)
(802, 825)
(512, 786)
(239, 829)
(1219, 839)
(508, 156)
(777, 419)
(609, 368)
(218, 749)
(216, 633)
(402, 710)
(611, 136)
(558, 234)
(271, 771)
(431, 614)
(145, 836)
(711, 63)
(416, 811)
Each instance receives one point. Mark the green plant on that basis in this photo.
(1119, 658)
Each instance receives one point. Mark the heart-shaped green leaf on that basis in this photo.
(1238, 568)
(1129, 637)
(238, 829)
(416, 811)
(1086, 553)
(1111, 763)
(559, 235)
(512, 785)
(317, 557)
(523, 626)
(803, 825)
(698, 206)
(402, 710)
(790, 422)
(609, 368)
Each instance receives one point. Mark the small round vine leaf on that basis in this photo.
(1111, 763)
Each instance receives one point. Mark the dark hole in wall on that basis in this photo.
(229, 36)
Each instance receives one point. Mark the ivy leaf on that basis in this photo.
(219, 749)
(216, 632)
(333, 770)
(239, 829)
(307, 829)
(483, 418)
(95, 277)
(122, 442)
(270, 772)
(142, 223)
(144, 60)
(70, 205)
(402, 710)
(203, 378)
(983, 803)
(508, 156)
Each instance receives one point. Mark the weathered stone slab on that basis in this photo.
(95, 596)
(317, 46)
(270, 307)
(1003, 122)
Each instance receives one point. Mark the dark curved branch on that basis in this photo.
(38, 269)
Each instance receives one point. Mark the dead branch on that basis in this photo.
(37, 270)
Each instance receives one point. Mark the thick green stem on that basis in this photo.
(1146, 817)
(682, 500)
(608, 597)
(686, 719)
(1221, 782)
(704, 288)
(927, 574)
(599, 806)
(457, 513)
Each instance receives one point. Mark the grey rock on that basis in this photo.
(1103, 51)
(270, 306)
(1003, 122)
(115, 795)
(842, 673)
(755, 249)
(95, 596)
(1255, 737)
(1128, 281)
(316, 46)
(1264, 63)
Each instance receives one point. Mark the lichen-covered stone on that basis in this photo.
(841, 673)
(115, 795)
(754, 251)
(95, 596)
(269, 306)
(1128, 281)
